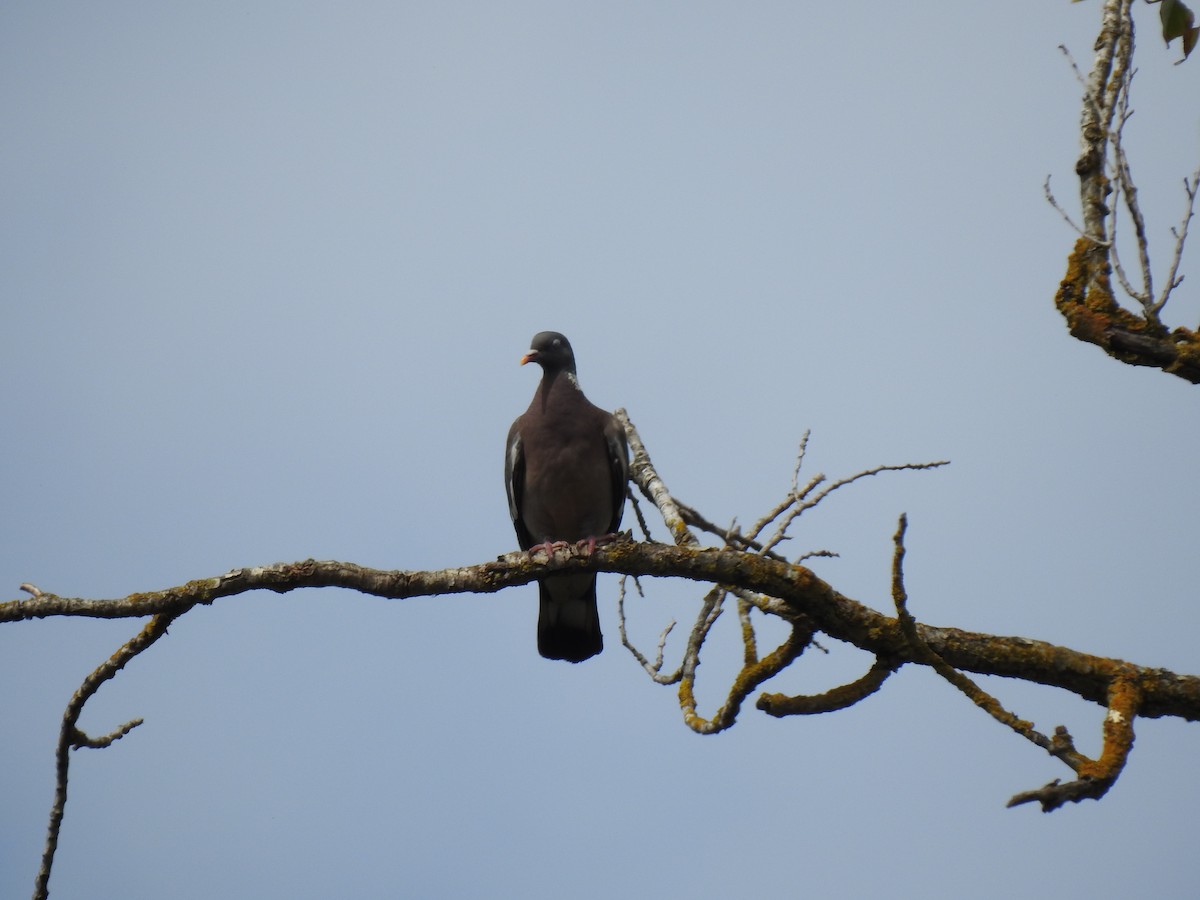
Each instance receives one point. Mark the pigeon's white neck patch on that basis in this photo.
(573, 381)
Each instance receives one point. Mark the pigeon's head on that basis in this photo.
(552, 351)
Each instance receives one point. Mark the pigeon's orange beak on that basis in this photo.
(529, 357)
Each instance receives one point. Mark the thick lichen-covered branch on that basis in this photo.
(792, 590)
(832, 700)
(1093, 315)
(1095, 776)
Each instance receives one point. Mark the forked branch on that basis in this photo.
(1085, 296)
(765, 586)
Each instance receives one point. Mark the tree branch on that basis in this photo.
(1085, 297)
(759, 579)
(908, 625)
(1095, 776)
(791, 590)
(832, 700)
(70, 737)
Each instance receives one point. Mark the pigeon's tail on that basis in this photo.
(568, 624)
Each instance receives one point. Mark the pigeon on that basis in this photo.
(565, 469)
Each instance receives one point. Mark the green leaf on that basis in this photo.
(1178, 22)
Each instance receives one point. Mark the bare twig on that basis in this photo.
(1122, 179)
(731, 538)
(1174, 279)
(1066, 217)
(653, 669)
(837, 698)
(106, 740)
(802, 502)
(70, 737)
(643, 474)
(793, 495)
(920, 649)
(816, 554)
(1074, 66)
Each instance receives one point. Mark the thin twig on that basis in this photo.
(1174, 279)
(731, 537)
(105, 740)
(1053, 201)
(926, 654)
(653, 669)
(802, 507)
(637, 511)
(70, 737)
(1124, 187)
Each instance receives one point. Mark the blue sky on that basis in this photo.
(267, 272)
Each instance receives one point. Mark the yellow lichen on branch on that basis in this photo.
(1085, 299)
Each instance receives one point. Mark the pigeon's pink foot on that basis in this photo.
(591, 543)
(548, 547)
